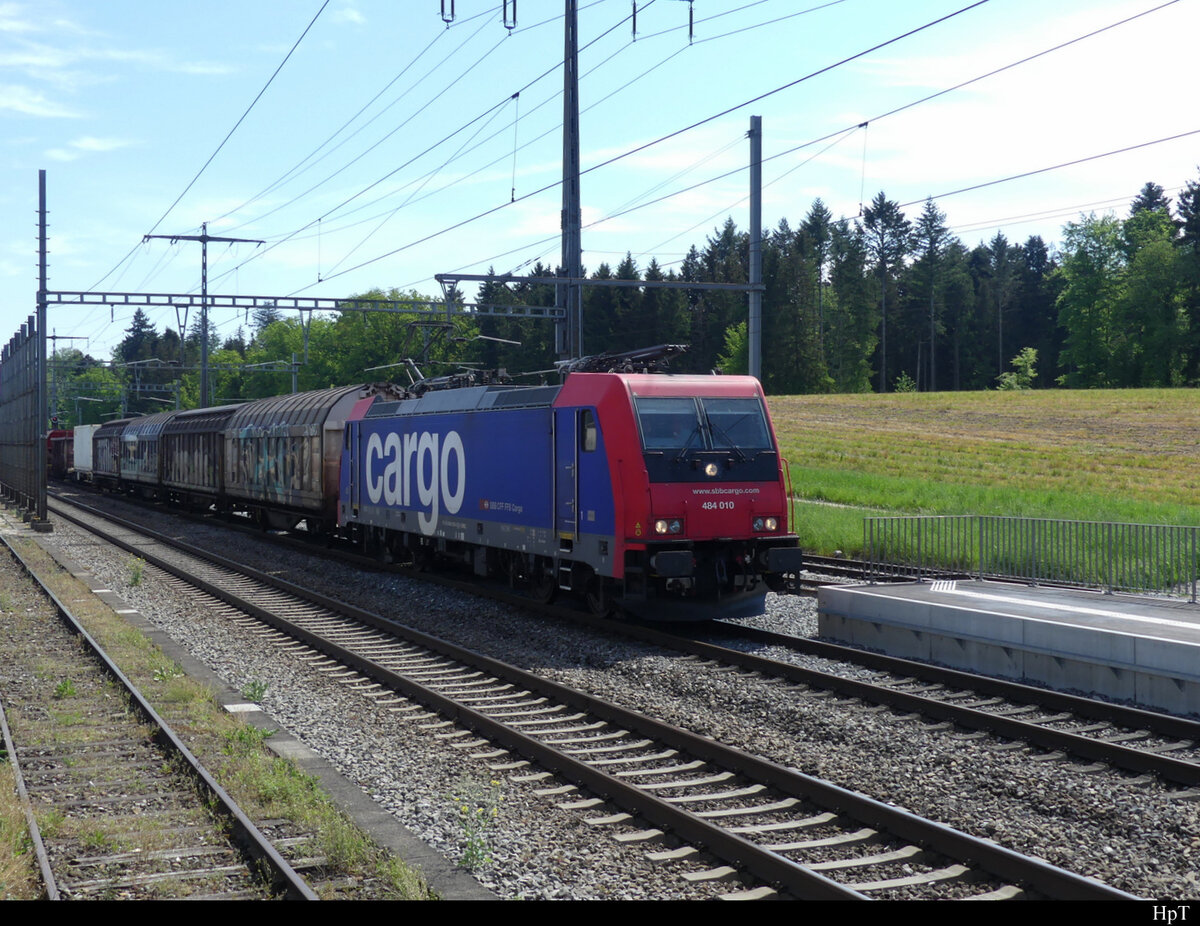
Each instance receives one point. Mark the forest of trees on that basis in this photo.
(882, 302)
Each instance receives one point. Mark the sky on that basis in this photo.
(369, 144)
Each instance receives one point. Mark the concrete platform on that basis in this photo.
(1145, 650)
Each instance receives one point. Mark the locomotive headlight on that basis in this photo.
(765, 524)
(711, 469)
(672, 526)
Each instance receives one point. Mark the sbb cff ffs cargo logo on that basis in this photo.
(396, 463)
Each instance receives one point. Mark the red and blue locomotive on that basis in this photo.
(661, 495)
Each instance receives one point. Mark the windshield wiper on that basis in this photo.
(688, 443)
(728, 440)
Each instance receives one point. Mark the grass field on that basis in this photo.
(1119, 455)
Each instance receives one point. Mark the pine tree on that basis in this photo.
(1152, 198)
(264, 315)
(1003, 279)
(816, 235)
(930, 240)
(140, 341)
(887, 232)
(600, 330)
(1189, 246)
(1033, 307)
(663, 311)
(850, 314)
(630, 322)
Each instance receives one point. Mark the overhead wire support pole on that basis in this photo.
(204, 238)
(754, 327)
(570, 334)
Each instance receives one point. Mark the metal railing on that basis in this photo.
(1156, 558)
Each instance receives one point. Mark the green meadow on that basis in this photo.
(1095, 455)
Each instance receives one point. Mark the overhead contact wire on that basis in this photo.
(308, 157)
(242, 118)
(1043, 170)
(283, 178)
(543, 75)
(650, 144)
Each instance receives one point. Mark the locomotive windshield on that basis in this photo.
(688, 423)
(669, 424)
(737, 423)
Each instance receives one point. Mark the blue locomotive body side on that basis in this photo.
(507, 479)
(443, 469)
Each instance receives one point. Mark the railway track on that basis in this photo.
(1125, 738)
(772, 827)
(118, 808)
(818, 569)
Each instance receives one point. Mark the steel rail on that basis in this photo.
(1125, 757)
(35, 833)
(1000, 862)
(246, 834)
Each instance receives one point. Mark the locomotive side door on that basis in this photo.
(566, 476)
(349, 476)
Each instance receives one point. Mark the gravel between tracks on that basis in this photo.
(1131, 834)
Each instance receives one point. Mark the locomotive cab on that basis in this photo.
(708, 535)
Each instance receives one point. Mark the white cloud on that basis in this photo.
(202, 68)
(86, 144)
(349, 14)
(90, 143)
(21, 99)
(35, 57)
(13, 19)
(18, 18)
(51, 63)
(155, 60)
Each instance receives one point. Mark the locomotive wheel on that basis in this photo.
(543, 584)
(598, 596)
(424, 559)
(511, 564)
